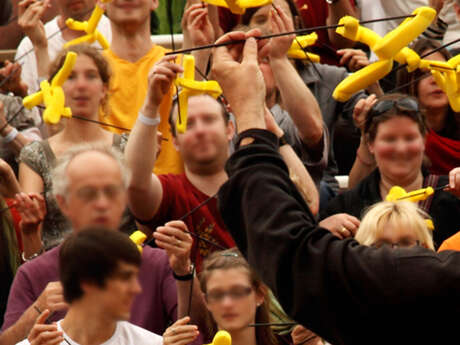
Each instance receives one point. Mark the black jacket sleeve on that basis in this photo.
(343, 291)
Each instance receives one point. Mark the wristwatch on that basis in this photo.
(331, 2)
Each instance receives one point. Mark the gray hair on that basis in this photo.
(59, 173)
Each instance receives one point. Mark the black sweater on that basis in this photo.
(444, 208)
(345, 292)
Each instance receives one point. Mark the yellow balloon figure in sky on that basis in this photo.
(393, 46)
(53, 95)
(92, 34)
(191, 87)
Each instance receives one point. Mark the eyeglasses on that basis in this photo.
(405, 243)
(235, 294)
(89, 194)
(406, 105)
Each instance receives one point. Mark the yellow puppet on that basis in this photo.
(90, 27)
(447, 76)
(238, 6)
(53, 95)
(393, 46)
(138, 237)
(222, 338)
(397, 193)
(191, 87)
(296, 51)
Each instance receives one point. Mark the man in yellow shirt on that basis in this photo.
(131, 55)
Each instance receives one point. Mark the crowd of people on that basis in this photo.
(247, 229)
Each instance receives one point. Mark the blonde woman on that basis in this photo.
(396, 224)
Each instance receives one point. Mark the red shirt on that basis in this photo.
(180, 197)
(444, 153)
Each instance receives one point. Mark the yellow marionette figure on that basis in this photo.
(90, 27)
(296, 51)
(191, 87)
(238, 6)
(53, 95)
(393, 46)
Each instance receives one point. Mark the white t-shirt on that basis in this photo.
(125, 334)
(29, 64)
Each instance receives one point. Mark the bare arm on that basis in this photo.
(51, 298)
(173, 238)
(296, 97)
(336, 11)
(29, 19)
(198, 30)
(31, 182)
(297, 171)
(19, 140)
(364, 163)
(145, 191)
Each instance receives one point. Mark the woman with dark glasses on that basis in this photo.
(394, 132)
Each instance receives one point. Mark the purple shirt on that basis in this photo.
(152, 309)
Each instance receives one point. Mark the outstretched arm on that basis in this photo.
(145, 191)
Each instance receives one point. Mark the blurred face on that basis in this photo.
(231, 299)
(125, 12)
(429, 93)
(84, 90)
(397, 236)
(76, 9)
(206, 139)
(117, 296)
(95, 195)
(398, 148)
(261, 18)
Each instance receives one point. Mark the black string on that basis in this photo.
(299, 31)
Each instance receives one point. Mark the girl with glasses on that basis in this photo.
(229, 292)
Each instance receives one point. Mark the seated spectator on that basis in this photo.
(86, 91)
(204, 147)
(394, 133)
(321, 79)
(290, 101)
(397, 224)
(310, 13)
(443, 138)
(235, 298)
(90, 186)
(99, 271)
(210, 315)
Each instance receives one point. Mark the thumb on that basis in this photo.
(250, 51)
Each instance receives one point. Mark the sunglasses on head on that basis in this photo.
(406, 104)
